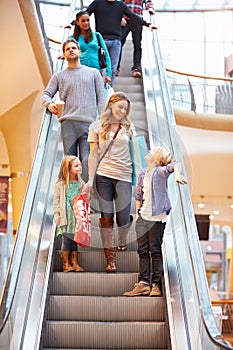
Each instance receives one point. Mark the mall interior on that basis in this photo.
(184, 101)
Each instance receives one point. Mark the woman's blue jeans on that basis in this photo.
(150, 239)
(114, 49)
(112, 192)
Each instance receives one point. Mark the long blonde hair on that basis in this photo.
(105, 118)
(64, 173)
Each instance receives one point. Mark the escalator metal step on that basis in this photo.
(92, 283)
(94, 261)
(106, 335)
(104, 309)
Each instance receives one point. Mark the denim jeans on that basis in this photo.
(136, 31)
(74, 136)
(110, 191)
(150, 239)
(114, 49)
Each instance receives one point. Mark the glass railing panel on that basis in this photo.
(200, 94)
(184, 268)
(24, 297)
(46, 243)
(29, 282)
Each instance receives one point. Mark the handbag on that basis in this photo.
(109, 90)
(101, 54)
(138, 151)
(81, 206)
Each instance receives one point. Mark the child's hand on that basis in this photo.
(180, 179)
(88, 188)
(57, 221)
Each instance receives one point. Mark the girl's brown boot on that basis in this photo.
(74, 261)
(66, 266)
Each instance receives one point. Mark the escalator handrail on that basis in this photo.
(17, 253)
(214, 336)
(11, 279)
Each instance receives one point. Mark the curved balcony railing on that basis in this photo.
(200, 94)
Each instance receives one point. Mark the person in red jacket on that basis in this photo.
(136, 6)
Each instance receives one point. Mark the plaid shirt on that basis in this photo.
(136, 6)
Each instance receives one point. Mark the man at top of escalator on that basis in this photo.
(108, 17)
(82, 90)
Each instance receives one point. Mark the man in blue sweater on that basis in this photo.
(108, 16)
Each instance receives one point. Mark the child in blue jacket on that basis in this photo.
(153, 207)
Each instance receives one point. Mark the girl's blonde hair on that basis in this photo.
(64, 173)
(162, 155)
(106, 115)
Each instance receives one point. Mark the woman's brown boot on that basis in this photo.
(74, 261)
(66, 266)
(107, 236)
(111, 260)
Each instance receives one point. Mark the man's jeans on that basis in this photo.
(110, 190)
(114, 49)
(150, 239)
(74, 136)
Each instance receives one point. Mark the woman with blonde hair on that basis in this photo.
(110, 163)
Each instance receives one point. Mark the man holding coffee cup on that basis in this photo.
(82, 93)
(60, 106)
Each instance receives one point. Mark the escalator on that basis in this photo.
(43, 308)
(88, 308)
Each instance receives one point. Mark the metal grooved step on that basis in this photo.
(88, 311)
(96, 308)
(106, 335)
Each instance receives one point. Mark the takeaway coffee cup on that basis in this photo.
(60, 105)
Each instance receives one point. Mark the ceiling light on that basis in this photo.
(201, 205)
(216, 212)
(211, 217)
